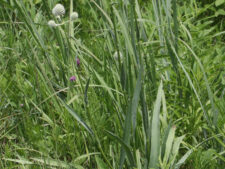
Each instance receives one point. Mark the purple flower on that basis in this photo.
(72, 78)
(78, 62)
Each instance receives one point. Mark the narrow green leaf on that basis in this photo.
(56, 163)
(176, 146)
(183, 159)
(138, 159)
(164, 140)
(136, 97)
(125, 146)
(75, 115)
(83, 157)
(104, 13)
(130, 119)
(169, 144)
(125, 33)
(100, 163)
(85, 92)
(20, 161)
(155, 131)
(219, 2)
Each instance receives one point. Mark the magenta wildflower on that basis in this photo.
(78, 62)
(72, 78)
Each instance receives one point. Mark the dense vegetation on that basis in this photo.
(127, 84)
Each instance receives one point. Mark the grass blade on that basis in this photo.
(169, 144)
(183, 159)
(125, 146)
(75, 115)
(131, 115)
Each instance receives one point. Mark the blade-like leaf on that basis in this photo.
(131, 115)
(125, 146)
(183, 159)
(56, 163)
(75, 115)
(155, 131)
(169, 144)
(100, 163)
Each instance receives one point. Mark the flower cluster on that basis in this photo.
(58, 11)
(73, 78)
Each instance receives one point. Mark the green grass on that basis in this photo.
(159, 104)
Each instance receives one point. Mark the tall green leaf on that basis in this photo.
(155, 130)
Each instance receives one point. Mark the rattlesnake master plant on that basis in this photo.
(59, 11)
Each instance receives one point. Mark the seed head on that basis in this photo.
(58, 10)
(52, 23)
(73, 16)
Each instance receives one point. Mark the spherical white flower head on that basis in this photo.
(58, 10)
(73, 16)
(116, 56)
(52, 23)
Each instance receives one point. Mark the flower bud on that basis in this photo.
(52, 23)
(73, 16)
(73, 78)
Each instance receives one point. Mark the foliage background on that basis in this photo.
(172, 75)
